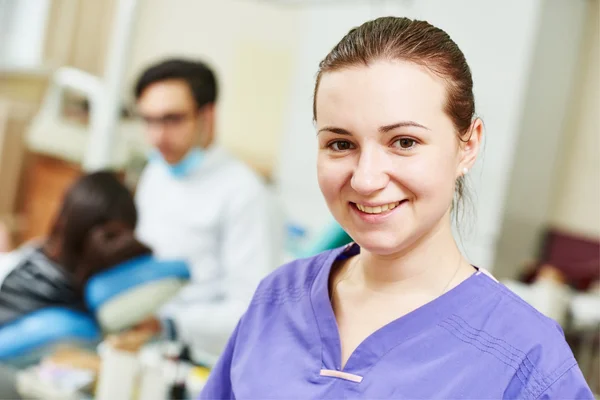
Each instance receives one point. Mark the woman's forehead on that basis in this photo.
(380, 93)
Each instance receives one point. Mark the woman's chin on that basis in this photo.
(381, 243)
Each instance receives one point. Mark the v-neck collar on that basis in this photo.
(389, 336)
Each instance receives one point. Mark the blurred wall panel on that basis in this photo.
(78, 34)
(546, 134)
(25, 86)
(23, 25)
(576, 198)
(262, 78)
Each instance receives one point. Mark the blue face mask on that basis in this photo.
(190, 163)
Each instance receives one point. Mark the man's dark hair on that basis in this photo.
(199, 77)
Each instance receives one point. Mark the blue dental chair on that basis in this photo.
(117, 299)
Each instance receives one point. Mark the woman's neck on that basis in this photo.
(431, 264)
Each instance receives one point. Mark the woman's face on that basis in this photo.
(388, 153)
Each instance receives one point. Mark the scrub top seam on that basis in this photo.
(514, 363)
(520, 355)
(559, 374)
(279, 297)
(516, 369)
(500, 288)
(473, 341)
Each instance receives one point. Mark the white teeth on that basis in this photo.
(377, 209)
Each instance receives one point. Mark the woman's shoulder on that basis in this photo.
(507, 308)
(501, 323)
(293, 280)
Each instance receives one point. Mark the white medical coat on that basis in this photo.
(217, 219)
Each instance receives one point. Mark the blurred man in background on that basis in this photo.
(197, 202)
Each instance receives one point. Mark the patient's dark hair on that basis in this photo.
(94, 226)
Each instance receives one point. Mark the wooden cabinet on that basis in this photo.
(44, 183)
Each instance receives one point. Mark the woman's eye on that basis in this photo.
(405, 143)
(341, 145)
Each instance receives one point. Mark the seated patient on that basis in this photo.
(93, 231)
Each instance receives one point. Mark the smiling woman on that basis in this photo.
(398, 148)
(400, 313)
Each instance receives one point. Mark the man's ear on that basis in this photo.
(206, 116)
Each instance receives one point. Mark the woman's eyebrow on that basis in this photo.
(382, 129)
(401, 124)
(333, 129)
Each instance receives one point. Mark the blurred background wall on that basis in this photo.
(555, 176)
(576, 197)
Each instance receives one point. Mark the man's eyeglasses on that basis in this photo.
(167, 120)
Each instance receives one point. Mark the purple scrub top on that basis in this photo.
(477, 341)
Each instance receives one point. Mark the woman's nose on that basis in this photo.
(370, 174)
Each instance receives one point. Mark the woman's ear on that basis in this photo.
(469, 147)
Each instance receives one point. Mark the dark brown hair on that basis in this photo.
(394, 38)
(94, 227)
(199, 77)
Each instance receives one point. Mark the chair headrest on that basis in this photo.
(130, 274)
